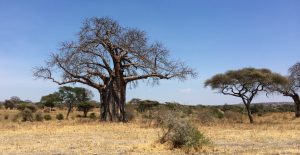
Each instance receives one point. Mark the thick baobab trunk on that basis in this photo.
(103, 105)
(249, 112)
(121, 89)
(297, 105)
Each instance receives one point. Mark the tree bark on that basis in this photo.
(69, 109)
(297, 105)
(249, 112)
(121, 88)
(103, 104)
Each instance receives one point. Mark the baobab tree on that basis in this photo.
(108, 57)
(292, 87)
(245, 83)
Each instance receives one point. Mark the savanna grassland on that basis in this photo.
(272, 133)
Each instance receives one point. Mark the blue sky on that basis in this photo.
(211, 36)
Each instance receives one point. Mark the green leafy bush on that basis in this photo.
(23, 106)
(182, 134)
(39, 117)
(146, 105)
(93, 116)
(26, 115)
(59, 116)
(47, 117)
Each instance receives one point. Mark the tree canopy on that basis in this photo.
(107, 57)
(245, 83)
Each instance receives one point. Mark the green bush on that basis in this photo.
(39, 117)
(93, 116)
(146, 105)
(85, 107)
(172, 105)
(59, 116)
(26, 115)
(23, 106)
(182, 134)
(47, 117)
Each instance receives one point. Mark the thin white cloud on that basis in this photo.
(186, 90)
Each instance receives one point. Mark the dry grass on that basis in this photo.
(272, 134)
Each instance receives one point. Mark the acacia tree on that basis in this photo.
(71, 96)
(108, 57)
(51, 100)
(292, 87)
(245, 83)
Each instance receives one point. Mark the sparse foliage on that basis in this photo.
(108, 57)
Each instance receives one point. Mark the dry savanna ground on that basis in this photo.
(277, 133)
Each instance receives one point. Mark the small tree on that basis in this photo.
(16, 99)
(85, 107)
(8, 104)
(71, 96)
(51, 100)
(245, 83)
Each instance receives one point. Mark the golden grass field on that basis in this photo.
(277, 133)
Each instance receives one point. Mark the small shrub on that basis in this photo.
(93, 116)
(26, 115)
(47, 117)
(129, 113)
(217, 113)
(15, 118)
(85, 107)
(206, 117)
(6, 117)
(233, 116)
(39, 117)
(182, 134)
(59, 116)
